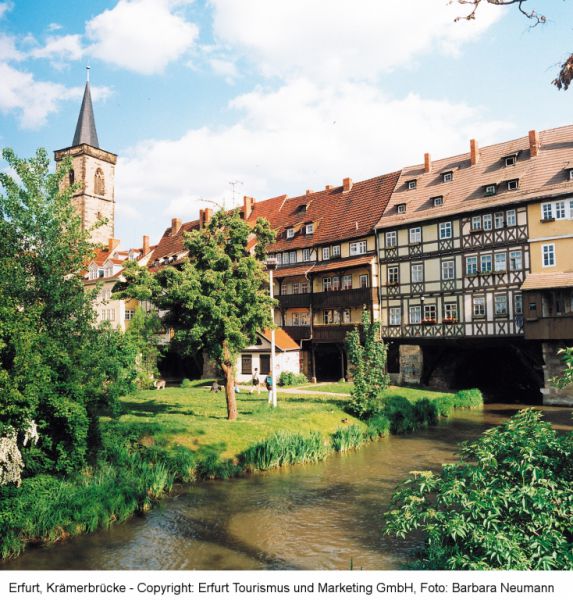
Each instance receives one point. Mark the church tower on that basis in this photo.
(94, 169)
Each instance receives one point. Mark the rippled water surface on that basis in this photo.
(319, 516)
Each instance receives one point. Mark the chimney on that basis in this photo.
(427, 163)
(533, 143)
(201, 218)
(207, 215)
(145, 245)
(247, 206)
(112, 244)
(309, 192)
(328, 187)
(346, 184)
(175, 226)
(474, 152)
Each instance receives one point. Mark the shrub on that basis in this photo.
(285, 448)
(347, 438)
(378, 426)
(367, 354)
(186, 383)
(425, 413)
(508, 504)
(444, 405)
(400, 413)
(288, 379)
(471, 398)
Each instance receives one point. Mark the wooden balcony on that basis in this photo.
(477, 328)
(294, 300)
(343, 298)
(549, 328)
(298, 332)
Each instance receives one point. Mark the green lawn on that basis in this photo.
(195, 418)
(412, 394)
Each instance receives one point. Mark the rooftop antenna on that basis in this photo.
(234, 184)
(88, 73)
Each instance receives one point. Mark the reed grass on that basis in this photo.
(347, 438)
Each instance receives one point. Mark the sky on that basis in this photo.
(205, 101)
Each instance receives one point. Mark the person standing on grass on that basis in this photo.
(269, 384)
(256, 382)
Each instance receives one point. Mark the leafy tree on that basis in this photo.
(565, 76)
(142, 335)
(508, 504)
(218, 299)
(55, 367)
(566, 377)
(368, 367)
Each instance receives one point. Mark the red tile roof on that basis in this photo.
(282, 339)
(171, 245)
(541, 175)
(337, 215)
(543, 281)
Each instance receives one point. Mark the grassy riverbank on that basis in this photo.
(182, 434)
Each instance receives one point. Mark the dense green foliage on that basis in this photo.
(289, 379)
(55, 367)
(218, 299)
(508, 504)
(142, 336)
(285, 448)
(566, 377)
(347, 438)
(368, 367)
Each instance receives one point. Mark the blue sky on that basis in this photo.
(280, 95)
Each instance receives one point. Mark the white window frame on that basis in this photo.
(546, 211)
(447, 176)
(415, 235)
(293, 258)
(395, 315)
(500, 262)
(446, 230)
(476, 223)
(491, 189)
(451, 310)
(346, 282)
(515, 260)
(484, 259)
(479, 309)
(513, 184)
(471, 265)
(417, 273)
(430, 312)
(415, 314)
(289, 233)
(393, 274)
(487, 222)
(517, 303)
(548, 258)
(364, 278)
(448, 270)
(309, 228)
(560, 211)
(511, 218)
(391, 239)
(498, 220)
(305, 254)
(357, 248)
(411, 184)
(335, 251)
(326, 284)
(326, 253)
(401, 208)
(438, 201)
(501, 305)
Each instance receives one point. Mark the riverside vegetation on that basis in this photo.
(181, 434)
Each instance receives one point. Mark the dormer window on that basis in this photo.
(309, 228)
(447, 176)
(512, 184)
(401, 208)
(491, 189)
(411, 185)
(301, 208)
(569, 173)
(437, 200)
(510, 160)
(290, 233)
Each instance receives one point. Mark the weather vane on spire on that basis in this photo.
(88, 73)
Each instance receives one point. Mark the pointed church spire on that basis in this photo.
(85, 129)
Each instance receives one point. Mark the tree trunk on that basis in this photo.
(228, 369)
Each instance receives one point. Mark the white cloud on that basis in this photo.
(225, 68)
(141, 35)
(60, 48)
(285, 141)
(34, 100)
(342, 39)
(8, 50)
(4, 8)
(54, 27)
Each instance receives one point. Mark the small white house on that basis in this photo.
(258, 356)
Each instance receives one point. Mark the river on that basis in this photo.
(321, 516)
